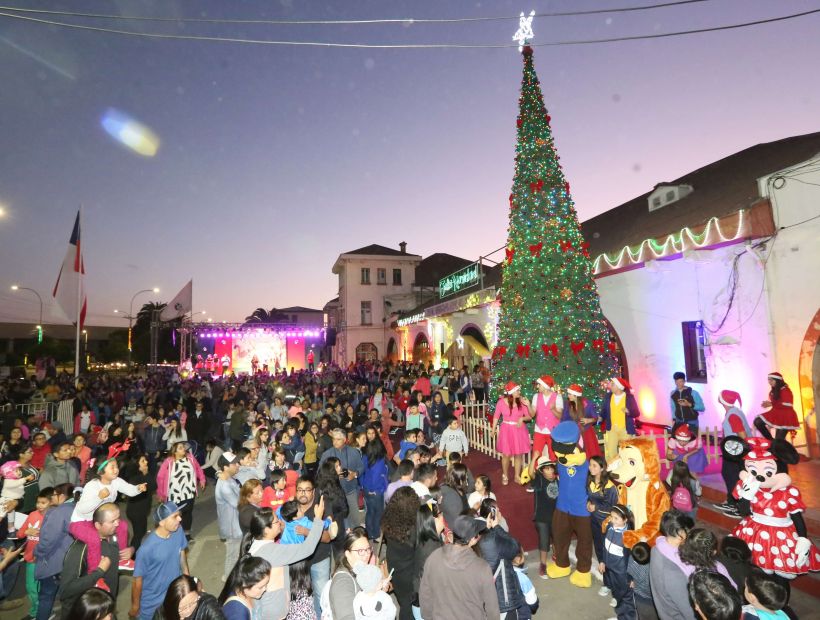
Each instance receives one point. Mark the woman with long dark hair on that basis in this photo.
(429, 531)
(356, 550)
(328, 485)
(138, 507)
(399, 528)
(260, 541)
(454, 493)
(781, 415)
(250, 500)
(93, 604)
(374, 482)
(185, 600)
(244, 587)
(602, 495)
(300, 606)
(178, 479)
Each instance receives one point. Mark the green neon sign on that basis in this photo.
(458, 281)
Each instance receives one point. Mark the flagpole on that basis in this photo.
(79, 296)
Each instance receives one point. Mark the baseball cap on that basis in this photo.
(226, 458)
(165, 510)
(466, 527)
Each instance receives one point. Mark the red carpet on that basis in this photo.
(514, 502)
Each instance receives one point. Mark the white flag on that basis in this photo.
(179, 305)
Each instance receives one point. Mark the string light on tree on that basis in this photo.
(551, 320)
(524, 33)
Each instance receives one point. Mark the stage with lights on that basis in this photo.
(248, 349)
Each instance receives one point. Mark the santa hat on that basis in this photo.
(511, 388)
(730, 398)
(683, 433)
(546, 381)
(621, 383)
(575, 390)
(759, 449)
(775, 375)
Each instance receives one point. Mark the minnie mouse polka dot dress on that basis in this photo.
(770, 532)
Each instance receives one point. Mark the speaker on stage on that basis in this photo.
(330, 337)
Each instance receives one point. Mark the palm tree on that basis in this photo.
(260, 315)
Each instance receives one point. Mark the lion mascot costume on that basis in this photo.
(637, 472)
(571, 514)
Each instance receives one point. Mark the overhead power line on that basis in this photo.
(343, 22)
(181, 37)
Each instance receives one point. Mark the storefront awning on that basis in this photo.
(477, 346)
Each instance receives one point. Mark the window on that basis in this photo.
(365, 275)
(397, 277)
(367, 352)
(367, 313)
(656, 201)
(670, 195)
(381, 276)
(694, 351)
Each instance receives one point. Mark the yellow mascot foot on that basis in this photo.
(556, 572)
(581, 580)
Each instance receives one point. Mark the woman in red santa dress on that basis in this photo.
(775, 531)
(512, 411)
(579, 410)
(781, 415)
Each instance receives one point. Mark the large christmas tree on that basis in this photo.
(551, 320)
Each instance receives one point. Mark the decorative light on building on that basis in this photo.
(415, 318)
(675, 243)
(460, 342)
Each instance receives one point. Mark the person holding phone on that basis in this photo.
(687, 404)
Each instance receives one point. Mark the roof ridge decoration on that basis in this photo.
(674, 243)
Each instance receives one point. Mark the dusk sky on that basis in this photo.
(273, 160)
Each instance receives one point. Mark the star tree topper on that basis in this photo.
(524, 33)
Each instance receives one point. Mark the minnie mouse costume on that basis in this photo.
(775, 531)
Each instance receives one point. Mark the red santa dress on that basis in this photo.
(782, 413)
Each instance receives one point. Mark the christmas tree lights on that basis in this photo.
(551, 320)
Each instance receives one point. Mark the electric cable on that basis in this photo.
(155, 35)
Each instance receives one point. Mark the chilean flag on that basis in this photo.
(68, 292)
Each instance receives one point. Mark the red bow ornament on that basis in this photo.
(585, 249)
(565, 246)
(510, 252)
(499, 351)
(550, 349)
(523, 350)
(598, 344)
(577, 347)
(535, 250)
(611, 346)
(537, 186)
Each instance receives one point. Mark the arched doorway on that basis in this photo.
(469, 348)
(392, 350)
(808, 371)
(620, 356)
(367, 352)
(421, 349)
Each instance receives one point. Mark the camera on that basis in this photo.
(345, 473)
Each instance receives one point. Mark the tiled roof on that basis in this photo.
(720, 188)
(379, 250)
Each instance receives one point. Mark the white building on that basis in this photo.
(719, 281)
(374, 281)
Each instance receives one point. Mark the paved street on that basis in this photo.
(558, 598)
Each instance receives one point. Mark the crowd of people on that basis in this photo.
(339, 494)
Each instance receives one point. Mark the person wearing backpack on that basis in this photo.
(684, 488)
(75, 578)
(338, 593)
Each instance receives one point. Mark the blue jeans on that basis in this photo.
(374, 504)
(319, 576)
(48, 594)
(9, 576)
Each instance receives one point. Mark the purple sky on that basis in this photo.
(273, 160)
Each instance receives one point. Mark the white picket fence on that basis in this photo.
(479, 434)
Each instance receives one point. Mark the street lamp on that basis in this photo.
(130, 317)
(16, 287)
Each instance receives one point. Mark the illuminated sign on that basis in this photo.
(416, 318)
(455, 282)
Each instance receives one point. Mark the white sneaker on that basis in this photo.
(613, 603)
(603, 591)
